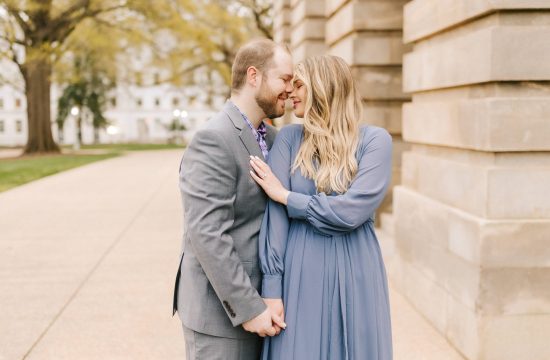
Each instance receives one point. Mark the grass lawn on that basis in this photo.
(18, 171)
(21, 170)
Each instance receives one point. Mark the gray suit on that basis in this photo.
(219, 277)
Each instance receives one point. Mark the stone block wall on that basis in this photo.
(472, 216)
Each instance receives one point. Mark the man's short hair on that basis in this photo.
(258, 53)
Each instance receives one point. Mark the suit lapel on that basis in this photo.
(245, 134)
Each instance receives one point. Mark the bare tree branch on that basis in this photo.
(15, 13)
(64, 24)
(180, 73)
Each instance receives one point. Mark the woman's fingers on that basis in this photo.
(256, 177)
(257, 171)
(259, 163)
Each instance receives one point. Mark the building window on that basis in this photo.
(18, 126)
(157, 102)
(113, 102)
(157, 78)
(1, 103)
(1, 126)
(175, 101)
(18, 103)
(139, 102)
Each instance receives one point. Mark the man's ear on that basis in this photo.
(252, 76)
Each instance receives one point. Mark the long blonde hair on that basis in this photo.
(333, 110)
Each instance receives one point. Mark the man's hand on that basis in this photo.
(261, 324)
(264, 324)
(276, 307)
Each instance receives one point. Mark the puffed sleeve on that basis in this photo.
(275, 224)
(338, 214)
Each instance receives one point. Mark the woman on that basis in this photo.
(318, 251)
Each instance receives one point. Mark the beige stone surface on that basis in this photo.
(280, 4)
(458, 184)
(365, 15)
(426, 17)
(516, 337)
(413, 337)
(463, 300)
(379, 82)
(489, 54)
(282, 35)
(370, 48)
(308, 48)
(426, 248)
(386, 114)
(538, 90)
(303, 9)
(332, 6)
(515, 243)
(309, 29)
(515, 291)
(281, 18)
(458, 252)
(478, 187)
(490, 124)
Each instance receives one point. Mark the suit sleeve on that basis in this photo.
(339, 214)
(208, 179)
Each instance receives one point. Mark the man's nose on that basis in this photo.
(289, 88)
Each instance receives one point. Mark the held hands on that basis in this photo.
(266, 324)
(262, 174)
(277, 308)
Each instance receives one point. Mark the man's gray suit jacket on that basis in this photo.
(218, 279)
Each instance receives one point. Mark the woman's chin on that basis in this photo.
(299, 114)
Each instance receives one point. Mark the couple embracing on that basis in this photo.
(280, 259)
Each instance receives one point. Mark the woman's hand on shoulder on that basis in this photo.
(262, 174)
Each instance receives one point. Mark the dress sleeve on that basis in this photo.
(275, 224)
(338, 214)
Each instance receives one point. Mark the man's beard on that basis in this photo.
(268, 101)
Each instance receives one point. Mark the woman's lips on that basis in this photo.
(295, 103)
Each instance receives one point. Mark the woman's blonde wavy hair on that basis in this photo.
(333, 110)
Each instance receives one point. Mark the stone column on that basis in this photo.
(473, 213)
(368, 35)
(307, 35)
(281, 21)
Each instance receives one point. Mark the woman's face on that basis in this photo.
(298, 96)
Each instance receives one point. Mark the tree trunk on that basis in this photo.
(37, 75)
(96, 135)
(79, 126)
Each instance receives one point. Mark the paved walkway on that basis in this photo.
(87, 262)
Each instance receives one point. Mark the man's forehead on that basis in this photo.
(283, 62)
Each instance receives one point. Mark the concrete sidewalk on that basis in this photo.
(87, 263)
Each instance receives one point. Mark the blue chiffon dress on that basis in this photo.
(319, 253)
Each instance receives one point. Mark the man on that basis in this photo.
(216, 293)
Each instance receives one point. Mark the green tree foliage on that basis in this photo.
(42, 37)
(87, 89)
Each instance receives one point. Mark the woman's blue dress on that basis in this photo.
(321, 256)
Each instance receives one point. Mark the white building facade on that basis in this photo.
(143, 111)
